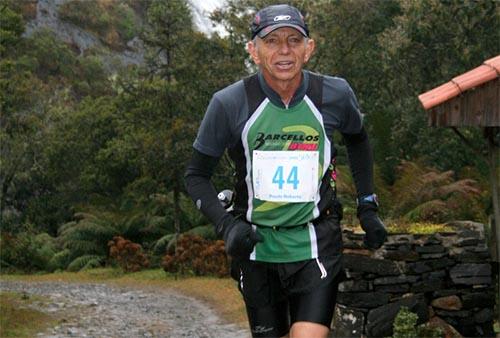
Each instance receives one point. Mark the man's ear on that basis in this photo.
(310, 46)
(252, 50)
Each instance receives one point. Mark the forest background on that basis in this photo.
(92, 149)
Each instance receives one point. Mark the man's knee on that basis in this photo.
(308, 330)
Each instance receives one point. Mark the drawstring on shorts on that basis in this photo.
(322, 269)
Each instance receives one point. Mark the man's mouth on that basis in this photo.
(284, 65)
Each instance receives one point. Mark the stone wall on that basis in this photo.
(445, 278)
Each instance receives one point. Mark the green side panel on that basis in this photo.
(283, 245)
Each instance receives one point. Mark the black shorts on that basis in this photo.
(279, 294)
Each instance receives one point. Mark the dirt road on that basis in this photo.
(100, 310)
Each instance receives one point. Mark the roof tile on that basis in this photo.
(494, 62)
(475, 77)
(488, 71)
(439, 94)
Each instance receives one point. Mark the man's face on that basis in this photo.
(281, 54)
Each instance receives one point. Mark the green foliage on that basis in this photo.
(51, 57)
(87, 14)
(86, 262)
(429, 43)
(74, 137)
(114, 22)
(89, 235)
(90, 78)
(45, 248)
(160, 247)
(204, 231)
(421, 193)
(417, 228)
(60, 260)
(127, 22)
(405, 326)
(26, 250)
(91, 231)
(11, 28)
(38, 75)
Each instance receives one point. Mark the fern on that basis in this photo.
(462, 187)
(60, 260)
(421, 193)
(94, 263)
(85, 215)
(434, 209)
(133, 225)
(88, 230)
(65, 227)
(160, 247)
(82, 247)
(86, 261)
(191, 214)
(204, 231)
(155, 225)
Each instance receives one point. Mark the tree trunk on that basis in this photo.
(493, 157)
(177, 208)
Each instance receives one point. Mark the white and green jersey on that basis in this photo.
(282, 146)
(283, 157)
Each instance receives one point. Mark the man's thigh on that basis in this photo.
(315, 306)
(265, 300)
(269, 321)
(313, 293)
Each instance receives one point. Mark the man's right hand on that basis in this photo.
(239, 237)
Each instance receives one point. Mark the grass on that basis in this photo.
(18, 319)
(220, 293)
(419, 228)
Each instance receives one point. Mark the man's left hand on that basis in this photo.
(375, 233)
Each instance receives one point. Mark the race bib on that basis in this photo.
(285, 176)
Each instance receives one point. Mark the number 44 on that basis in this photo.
(292, 178)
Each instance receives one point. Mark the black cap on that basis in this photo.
(273, 17)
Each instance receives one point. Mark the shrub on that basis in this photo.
(127, 254)
(60, 260)
(422, 193)
(26, 251)
(204, 231)
(86, 262)
(197, 256)
(114, 22)
(405, 326)
(160, 247)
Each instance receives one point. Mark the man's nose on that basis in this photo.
(284, 48)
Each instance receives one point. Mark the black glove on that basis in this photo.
(375, 233)
(238, 235)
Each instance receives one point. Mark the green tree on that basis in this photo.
(11, 28)
(164, 107)
(431, 42)
(21, 119)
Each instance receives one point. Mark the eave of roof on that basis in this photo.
(488, 71)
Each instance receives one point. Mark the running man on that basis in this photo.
(277, 125)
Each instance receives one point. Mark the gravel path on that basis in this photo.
(99, 310)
